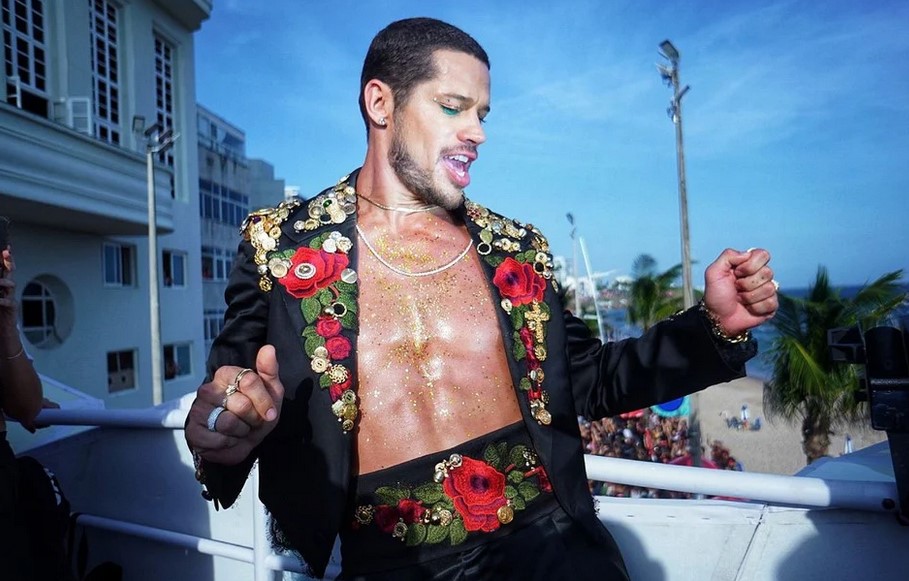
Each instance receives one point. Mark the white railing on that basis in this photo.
(785, 490)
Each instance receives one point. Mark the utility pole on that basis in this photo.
(157, 140)
(670, 75)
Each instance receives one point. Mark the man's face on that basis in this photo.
(437, 131)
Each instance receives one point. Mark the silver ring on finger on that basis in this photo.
(776, 285)
(213, 418)
(234, 386)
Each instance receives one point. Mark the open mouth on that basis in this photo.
(459, 167)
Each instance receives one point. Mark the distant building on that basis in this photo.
(230, 186)
(81, 80)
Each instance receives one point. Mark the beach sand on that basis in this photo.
(774, 449)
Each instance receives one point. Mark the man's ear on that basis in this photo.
(379, 102)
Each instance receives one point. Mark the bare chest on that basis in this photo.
(431, 363)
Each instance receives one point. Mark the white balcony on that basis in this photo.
(55, 176)
(190, 13)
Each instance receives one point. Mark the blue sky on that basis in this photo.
(796, 125)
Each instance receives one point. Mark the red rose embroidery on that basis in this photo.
(328, 327)
(477, 491)
(527, 340)
(410, 510)
(336, 389)
(327, 268)
(518, 282)
(386, 517)
(338, 347)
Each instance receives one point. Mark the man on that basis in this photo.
(397, 359)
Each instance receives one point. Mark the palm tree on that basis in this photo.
(653, 297)
(806, 384)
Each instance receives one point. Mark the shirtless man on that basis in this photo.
(396, 357)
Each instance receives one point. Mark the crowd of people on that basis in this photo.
(649, 437)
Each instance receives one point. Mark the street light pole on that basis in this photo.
(670, 75)
(156, 142)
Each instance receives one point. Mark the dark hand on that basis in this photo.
(740, 290)
(251, 412)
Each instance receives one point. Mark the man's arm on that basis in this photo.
(687, 352)
(225, 457)
(21, 395)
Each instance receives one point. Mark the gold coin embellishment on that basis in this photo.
(304, 271)
(344, 244)
(400, 530)
(364, 514)
(349, 397)
(315, 211)
(445, 517)
(347, 425)
(299, 225)
(543, 416)
(338, 374)
(505, 514)
(349, 275)
(278, 269)
(540, 352)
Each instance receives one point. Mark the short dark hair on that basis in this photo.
(401, 55)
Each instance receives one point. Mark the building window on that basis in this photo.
(121, 371)
(216, 263)
(174, 264)
(164, 91)
(221, 204)
(213, 319)
(39, 314)
(118, 265)
(25, 54)
(105, 74)
(177, 362)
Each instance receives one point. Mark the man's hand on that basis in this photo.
(251, 410)
(740, 290)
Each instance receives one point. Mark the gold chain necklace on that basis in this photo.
(408, 273)
(401, 209)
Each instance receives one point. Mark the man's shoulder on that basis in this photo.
(331, 206)
(499, 223)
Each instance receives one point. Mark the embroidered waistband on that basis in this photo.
(448, 501)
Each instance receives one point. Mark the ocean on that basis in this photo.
(760, 367)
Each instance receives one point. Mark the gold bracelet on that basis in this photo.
(21, 351)
(718, 331)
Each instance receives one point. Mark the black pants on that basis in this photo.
(15, 562)
(553, 547)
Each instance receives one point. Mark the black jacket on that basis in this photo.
(305, 463)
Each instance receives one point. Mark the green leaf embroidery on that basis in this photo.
(528, 256)
(346, 288)
(324, 381)
(429, 493)
(348, 302)
(528, 490)
(436, 534)
(518, 503)
(324, 297)
(444, 502)
(494, 261)
(515, 476)
(311, 309)
(310, 331)
(525, 384)
(519, 351)
(517, 317)
(510, 492)
(502, 450)
(457, 532)
(349, 320)
(316, 243)
(492, 457)
(516, 456)
(312, 343)
(392, 495)
(416, 534)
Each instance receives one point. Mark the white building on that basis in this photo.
(79, 77)
(230, 185)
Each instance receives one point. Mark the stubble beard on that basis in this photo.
(416, 179)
